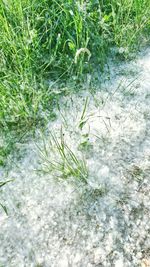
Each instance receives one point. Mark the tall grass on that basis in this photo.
(42, 37)
(39, 40)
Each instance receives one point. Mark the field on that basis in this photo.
(74, 133)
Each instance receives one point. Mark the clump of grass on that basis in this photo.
(136, 172)
(60, 159)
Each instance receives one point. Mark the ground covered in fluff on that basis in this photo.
(101, 217)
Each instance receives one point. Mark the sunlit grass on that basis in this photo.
(53, 40)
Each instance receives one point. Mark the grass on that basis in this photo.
(1, 185)
(84, 118)
(59, 159)
(42, 41)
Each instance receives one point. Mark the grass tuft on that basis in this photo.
(61, 160)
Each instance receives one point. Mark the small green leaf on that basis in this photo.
(82, 123)
(71, 46)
